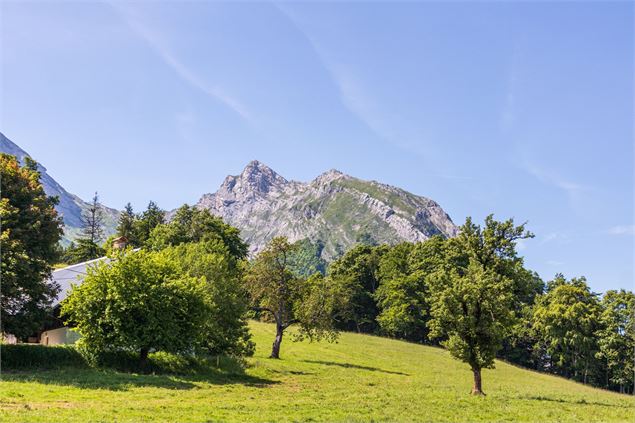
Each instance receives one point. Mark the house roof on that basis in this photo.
(72, 275)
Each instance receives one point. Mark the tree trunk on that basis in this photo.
(478, 388)
(143, 358)
(275, 350)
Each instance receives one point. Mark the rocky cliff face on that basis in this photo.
(335, 208)
(70, 206)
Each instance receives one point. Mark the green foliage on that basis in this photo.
(39, 357)
(190, 224)
(145, 223)
(31, 230)
(616, 337)
(472, 303)
(403, 293)
(225, 328)
(306, 258)
(128, 226)
(565, 321)
(289, 300)
(137, 302)
(356, 275)
(472, 308)
(320, 303)
(81, 250)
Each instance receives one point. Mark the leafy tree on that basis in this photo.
(190, 224)
(403, 293)
(139, 301)
(275, 290)
(565, 321)
(472, 294)
(519, 346)
(306, 258)
(30, 231)
(225, 327)
(616, 338)
(145, 223)
(356, 275)
(126, 226)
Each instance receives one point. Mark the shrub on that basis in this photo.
(29, 356)
(20, 357)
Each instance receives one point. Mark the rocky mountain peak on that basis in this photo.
(330, 175)
(335, 209)
(256, 180)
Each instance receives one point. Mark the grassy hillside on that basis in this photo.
(361, 378)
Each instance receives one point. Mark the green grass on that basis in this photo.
(361, 378)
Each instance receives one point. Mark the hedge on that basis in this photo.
(43, 357)
(34, 356)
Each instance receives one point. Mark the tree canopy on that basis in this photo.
(190, 224)
(565, 321)
(225, 326)
(472, 293)
(139, 301)
(287, 299)
(31, 229)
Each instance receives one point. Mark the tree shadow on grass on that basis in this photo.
(355, 366)
(577, 402)
(112, 380)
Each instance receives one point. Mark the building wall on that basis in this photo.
(59, 336)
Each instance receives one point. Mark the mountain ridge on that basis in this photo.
(335, 208)
(70, 206)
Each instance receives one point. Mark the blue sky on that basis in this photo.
(523, 110)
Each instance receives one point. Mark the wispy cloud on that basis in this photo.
(554, 179)
(354, 96)
(357, 96)
(622, 230)
(156, 42)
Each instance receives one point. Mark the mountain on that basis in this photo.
(334, 208)
(70, 206)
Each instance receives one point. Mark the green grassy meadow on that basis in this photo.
(360, 378)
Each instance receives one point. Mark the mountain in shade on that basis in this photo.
(334, 209)
(70, 206)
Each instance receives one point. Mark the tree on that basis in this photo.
(87, 246)
(289, 300)
(565, 321)
(30, 231)
(225, 327)
(126, 226)
(92, 220)
(139, 301)
(151, 217)
(190, 224)
(356, 275)
(472, 293)
(402, 295)
(616, 338)
(83, 249)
